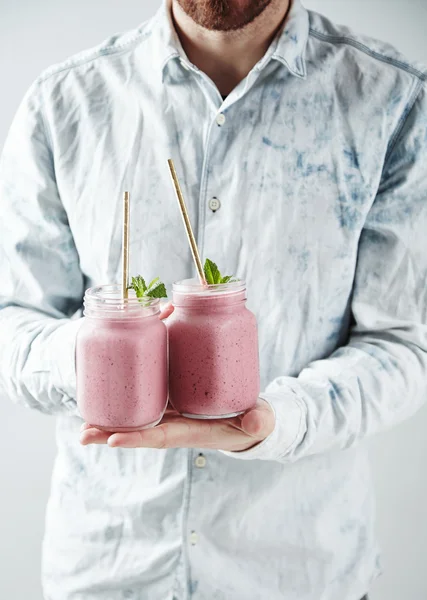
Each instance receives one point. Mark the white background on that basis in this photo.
(37, 33)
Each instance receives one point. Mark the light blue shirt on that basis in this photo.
(319, 162)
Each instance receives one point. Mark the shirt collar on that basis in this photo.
(288, 47)
(167, 45)
(290, 43)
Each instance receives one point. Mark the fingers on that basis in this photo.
(150, 438)
(166, 311)
(174, 432)
(91, 435)
(179, 432)
(259, 422)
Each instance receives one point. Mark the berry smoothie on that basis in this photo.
(121, 360)
(213, 351)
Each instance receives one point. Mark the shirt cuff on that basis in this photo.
(289, 430)
(62, 357)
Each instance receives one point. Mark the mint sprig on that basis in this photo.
(155, 289)
(213, 275)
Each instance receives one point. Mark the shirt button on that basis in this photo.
(194, 538)
(200, 461)
(220, 119)
(214, 204)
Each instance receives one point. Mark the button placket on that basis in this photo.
(194, 538)
(200, 461)
(214, 204)
(220, 119)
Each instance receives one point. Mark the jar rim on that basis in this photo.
(112, 294)
(107, 301)
(194, 287)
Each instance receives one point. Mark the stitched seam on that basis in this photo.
(303, 419)
(168, 58)
(298, 73)
(386, 59)
(203, 190)
(292, 445)
(402, 122)
(46, 127)
(101, 53)
(185, 514)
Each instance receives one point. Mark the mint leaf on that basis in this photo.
(139, 286)
(158, 292)
(213, 275)
(153, 283)
(154, 290)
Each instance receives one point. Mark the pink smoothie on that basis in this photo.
(213, 352)
(122, 370)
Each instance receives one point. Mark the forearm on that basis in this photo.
(380, 377)
(42, 284)
(371, 384)
(37, 360)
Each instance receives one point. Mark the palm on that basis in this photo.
(175, 431)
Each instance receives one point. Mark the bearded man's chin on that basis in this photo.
(224, 15)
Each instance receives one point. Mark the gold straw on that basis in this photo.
(187, 223)
(126, 227)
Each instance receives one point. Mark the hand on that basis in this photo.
(174, 431)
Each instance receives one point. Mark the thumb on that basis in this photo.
(259, 422)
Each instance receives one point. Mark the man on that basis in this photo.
(302, 149)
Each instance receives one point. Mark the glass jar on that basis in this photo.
(121, 361)
(213, 351)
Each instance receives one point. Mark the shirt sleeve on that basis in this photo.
(380, 377)
(41, 282)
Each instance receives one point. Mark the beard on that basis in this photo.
(223, 15)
